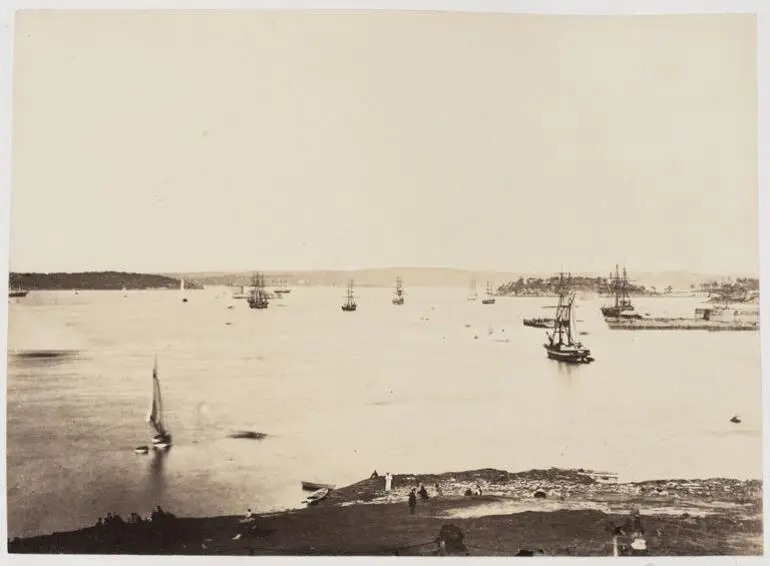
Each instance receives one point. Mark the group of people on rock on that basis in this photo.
(111, 519)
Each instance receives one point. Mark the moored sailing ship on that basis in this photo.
(490, 296)
(350, 300)
(281, 288)
(17, 293)
(241, 293)
(258, 298)
(398, 297)
(561, 345)
(622, 306)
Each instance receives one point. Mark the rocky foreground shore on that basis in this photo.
(540, 512)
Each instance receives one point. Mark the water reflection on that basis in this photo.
(156, 481)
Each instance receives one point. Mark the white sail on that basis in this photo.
(155, 414)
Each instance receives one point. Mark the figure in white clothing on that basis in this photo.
(388, 481)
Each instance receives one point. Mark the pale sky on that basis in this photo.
(215, 141)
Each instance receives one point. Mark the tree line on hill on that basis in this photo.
(95, 280)
(539, 286)
(742, 288)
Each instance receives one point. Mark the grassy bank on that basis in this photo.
(574, 514)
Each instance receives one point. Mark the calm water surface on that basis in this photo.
(341, 394)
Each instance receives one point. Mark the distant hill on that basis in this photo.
(96, 280)
(434, 277)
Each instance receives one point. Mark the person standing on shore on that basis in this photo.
(388, 481)
(412, 501)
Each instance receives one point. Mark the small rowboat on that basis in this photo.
(317, 496)
(141, 450)
(313, 486)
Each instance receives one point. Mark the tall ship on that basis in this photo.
(489, 299)
(621, 306)
(562, 345)
(398, 296)
(350, 301)
(473, 295)
(258, 298)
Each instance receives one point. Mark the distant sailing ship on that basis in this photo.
(162, 437)
(490, 298)
(473, 294)
(181, 290)
(17, 293)
(283, 288)
(398, 297)
(562, 345)
(622, 306)
(241, 293)
(258, 298)
(350, 300)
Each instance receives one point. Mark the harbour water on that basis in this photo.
(437, 384)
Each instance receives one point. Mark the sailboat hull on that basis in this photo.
(349, 308)
(487, 301)
(616, 312)
(570, 355)
(161, 442)
(539, 322)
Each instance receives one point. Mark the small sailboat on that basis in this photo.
(561, 345)
(490, 298)
(162, 437)
(258, 298)
(125, 293)
(398, 297)
(350, 300)
(181, 290)
(473, 294)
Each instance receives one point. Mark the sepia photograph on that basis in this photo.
(384, 283)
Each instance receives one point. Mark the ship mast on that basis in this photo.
(563, 320)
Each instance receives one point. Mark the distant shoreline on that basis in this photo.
(503, 283)
(562, 512)
(95, 281)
